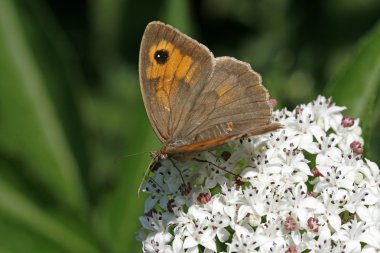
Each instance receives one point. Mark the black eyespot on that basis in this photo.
(161, 56)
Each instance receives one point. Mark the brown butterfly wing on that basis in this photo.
(232, 104)
(173, 72)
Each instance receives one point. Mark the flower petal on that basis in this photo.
(190, 242)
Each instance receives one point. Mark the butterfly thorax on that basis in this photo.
(159, 155)
(168, 153)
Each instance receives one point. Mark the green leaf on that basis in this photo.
(177, 13)
(125, 206)
(357, 84)
(13, 233)
(30, 128)
(17, 208)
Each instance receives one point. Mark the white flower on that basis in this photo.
(370, 214)
(333, 200)
(323, 244)
(155, 221)
(178, 244)
(270, 233)
(301, 205)
(158, 243)
(218, 223)
(243, 241)
(200, 233)
(303, 188)
(326, 112)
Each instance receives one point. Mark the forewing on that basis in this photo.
(233, 103)
(173, 72)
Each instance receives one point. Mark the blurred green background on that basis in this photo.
(71, 108)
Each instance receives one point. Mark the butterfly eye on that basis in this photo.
(161, 56)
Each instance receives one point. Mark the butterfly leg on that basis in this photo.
(185, 188)
(237, 177)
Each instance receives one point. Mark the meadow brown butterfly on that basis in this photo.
(195, 101)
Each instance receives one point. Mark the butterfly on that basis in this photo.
(196, 101)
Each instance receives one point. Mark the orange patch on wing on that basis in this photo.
(189, 79)
(177, 67)
(183, 67)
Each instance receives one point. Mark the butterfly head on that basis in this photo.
(159, 155)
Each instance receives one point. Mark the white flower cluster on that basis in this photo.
(303, 188)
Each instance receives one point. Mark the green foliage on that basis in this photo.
(358, 83)
(71, 112)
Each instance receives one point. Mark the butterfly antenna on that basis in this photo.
(146, 173)
(134, 154)
(119, 158)
(153, 166)
(151, 180)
